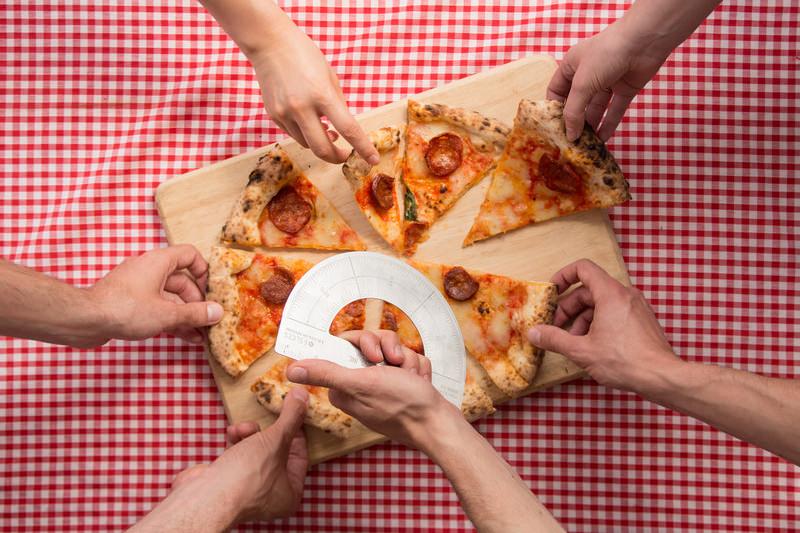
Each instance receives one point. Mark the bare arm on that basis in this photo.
(611, 331)
(156, 292)
(402, 404)
(297, 85)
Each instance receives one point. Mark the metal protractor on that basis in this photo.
(334, 282)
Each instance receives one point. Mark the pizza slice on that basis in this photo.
(252, 289)
(281, 208)
(448, 150)
(272, 387)
(378, 189)
(542, 175)
(349, 318)
(494, 312)
(476, 402)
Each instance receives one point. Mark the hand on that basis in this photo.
(298, 88)
(601, 75)
(159, 291)
(611, 330)
(399, 402)
(260, 477)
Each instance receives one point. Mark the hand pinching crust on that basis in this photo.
(272, 387)
(281, 208)
(542, 175)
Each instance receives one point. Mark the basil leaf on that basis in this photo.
(411, 205)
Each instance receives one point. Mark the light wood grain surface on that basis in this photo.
(194, 206)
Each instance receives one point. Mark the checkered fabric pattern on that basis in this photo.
(103, 101)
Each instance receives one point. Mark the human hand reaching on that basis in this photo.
(606, 328)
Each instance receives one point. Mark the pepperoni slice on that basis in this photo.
(382, 190)
(389, 321)
(559, 177)
(444, 154)
(277, 288)
(289, 211)
(459, 285)
(354, 309)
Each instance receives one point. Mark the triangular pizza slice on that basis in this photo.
(252, 289)
(281, 208)
(448, 150)
(494, 313)
(378, 189)
(542, 175)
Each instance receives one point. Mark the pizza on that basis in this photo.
(542, 175)
(494, 313)
(425, 168)
(272, 387)
(350, 317)
(280, 208)
(252, 289)
(379, 190)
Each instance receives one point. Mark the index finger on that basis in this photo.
(346, 125)
(321, 373)
(597, 280)
(186, 256)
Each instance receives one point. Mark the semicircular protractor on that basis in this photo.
(335, 282)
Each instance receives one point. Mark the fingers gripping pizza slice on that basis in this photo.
(542, 175)
(252, 289)
(378, 189)
(281, 208)
(494, 312)
(448, 150)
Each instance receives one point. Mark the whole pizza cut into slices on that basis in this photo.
(542, 175)
(448, 150)
(281, 208)
(378, 189)
(494, 313)
(272, 387)
(252, 289)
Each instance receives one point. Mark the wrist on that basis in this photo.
(662, 378)
(440, 431)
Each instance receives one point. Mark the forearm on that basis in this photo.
(754, 408)
(255, 25)
(192, 507)
(661, 25)
(492, 495)
(35, 306)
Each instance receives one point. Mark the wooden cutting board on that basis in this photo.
(193, 208)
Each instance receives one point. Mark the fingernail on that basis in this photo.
(298, 374)
(379, 351)
(398, 351)
(571, 134)
(213, 312)
(299, 393)
(374, 159)
(534, 336)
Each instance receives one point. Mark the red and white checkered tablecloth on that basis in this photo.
(103, 101)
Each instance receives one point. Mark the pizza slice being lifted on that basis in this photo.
(494, 313)
(281, 208)
(542, 175)
(252, 289)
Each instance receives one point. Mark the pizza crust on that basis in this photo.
(224, 264)
(486, 134)
(273, 171)
(476, 403)
(272, 388)
(588, 152)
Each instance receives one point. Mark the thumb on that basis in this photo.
(554, 339)
(292, 415)
(193, 315)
